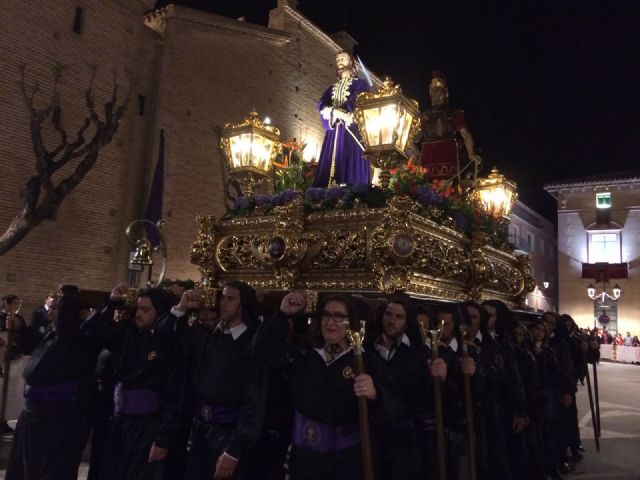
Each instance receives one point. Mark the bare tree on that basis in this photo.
(44, 194)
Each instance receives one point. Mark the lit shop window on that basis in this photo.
(604, 247)
(603, 200)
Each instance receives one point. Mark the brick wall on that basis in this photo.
(197, 72)
(216, 70)
(84, 243)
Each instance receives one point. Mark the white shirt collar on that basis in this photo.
(387, 353)
(479, 336)
(453, 344)
(323, 354)
(235, 332)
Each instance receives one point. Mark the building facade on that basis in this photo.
(534, 235)
(193, 72)
(599, 250)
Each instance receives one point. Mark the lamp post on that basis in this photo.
(496, 195)
(388, 123)
(616, 291)
(143, 248)
(250, 148)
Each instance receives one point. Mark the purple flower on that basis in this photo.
(315, 195)
(288, 196)
(334, 194)
(242, 203)
(262, 199)
(277, 199)
(428, 197)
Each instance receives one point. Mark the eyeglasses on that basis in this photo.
(337, 317)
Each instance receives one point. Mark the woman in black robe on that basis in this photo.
(326, 441)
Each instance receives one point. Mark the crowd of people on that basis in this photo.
(168, 388)
(605, 337)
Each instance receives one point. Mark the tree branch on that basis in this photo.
(35, 211)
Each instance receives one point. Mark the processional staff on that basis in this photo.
(356, 337)
(594, 346)
(434, 338)
(468, 403)
(594, 416)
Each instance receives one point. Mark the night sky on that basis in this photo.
(550, 89)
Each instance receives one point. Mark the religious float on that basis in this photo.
(415, 231)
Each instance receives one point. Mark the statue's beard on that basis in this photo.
(348, 68)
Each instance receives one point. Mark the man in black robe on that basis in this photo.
(149, 375)
(54, 426)
(407, 358)
(228, 384)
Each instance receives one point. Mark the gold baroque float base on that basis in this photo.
(359, 250)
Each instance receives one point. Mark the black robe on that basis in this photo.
(323, 394)
(229, 388)
(148, 361)
(54, 426)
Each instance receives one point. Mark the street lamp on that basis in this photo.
(250, 148)
(388, 123)
(603, 295)
(144, 249)
(496, 195)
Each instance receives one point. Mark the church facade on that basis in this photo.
(193, 72)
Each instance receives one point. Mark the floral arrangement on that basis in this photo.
(440, 201)
(292, 172)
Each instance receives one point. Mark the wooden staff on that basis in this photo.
(597, 399)
(8, 356)
(434, 337)
(468, 403)
(593, 338)
(356, 338)
(594, 422)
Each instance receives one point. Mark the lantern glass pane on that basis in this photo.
(494, 199)
(240, 146)
(388, 123)
(261, 150)
(403, 129)
(372, 125)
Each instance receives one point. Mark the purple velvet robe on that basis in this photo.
(350, 165)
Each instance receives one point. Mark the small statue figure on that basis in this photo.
(341, 160)
(443, 128)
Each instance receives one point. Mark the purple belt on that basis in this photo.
(135, 401)
(320, 437)
(52, 393)
(208, 412)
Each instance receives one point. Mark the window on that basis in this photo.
(141, 104)
(604, 247)
(78, 21)
(531, 242)
(515, 235)
(542, 246)
(603, 200)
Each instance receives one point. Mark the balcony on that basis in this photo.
(603, 272)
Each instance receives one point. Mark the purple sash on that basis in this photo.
(207, 412)
(320, 437)
(135, 401)
(52, 393)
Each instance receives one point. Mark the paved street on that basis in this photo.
(619, 457)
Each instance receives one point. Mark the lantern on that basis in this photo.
(250, 148)
(495, 194)
(388, 123)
